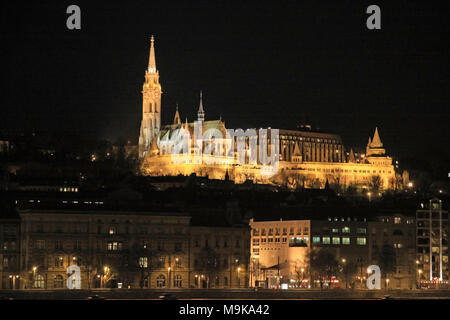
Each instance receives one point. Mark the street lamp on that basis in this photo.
(346, 272)
(168, 274)
(302, 270)
(239, 280)
(387, 283)
(34, 276)
(420, 277)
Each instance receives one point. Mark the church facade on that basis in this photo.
(300, 158)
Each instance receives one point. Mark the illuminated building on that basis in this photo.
(432, 225)
(120, 249)
(306, 158)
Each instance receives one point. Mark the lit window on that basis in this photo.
(346, 230)
(346, 240)
(316, 239)
(143, 262)
(114, 246)
(336, 240)
(361, 241)
(326, 240)
(361, 230)
(112, 230)
(397, 220)
(39, 282)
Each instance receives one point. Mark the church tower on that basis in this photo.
(151, 104)
(375, 146)
(201, 112)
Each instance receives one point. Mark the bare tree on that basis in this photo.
(375, 183)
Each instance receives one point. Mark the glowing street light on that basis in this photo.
(168, 274)
(239, 279)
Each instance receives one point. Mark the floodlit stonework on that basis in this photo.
(304, 158)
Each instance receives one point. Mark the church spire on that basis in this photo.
(351, 157)
(177, 118)
(152, 60)
(201, 112)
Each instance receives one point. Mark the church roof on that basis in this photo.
(376, 141)
(167, 131)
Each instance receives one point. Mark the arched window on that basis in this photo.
(145, 282)
(150, 107)
(39, 282)
(58, 282)
(177, 282)
(161, 281)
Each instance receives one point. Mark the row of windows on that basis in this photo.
(339, 240)
(160, 262)
(9, 262)
(58, 244)
(397, 220)
(435, 215)
(270, 231)
(347, 230)
(206, 243)
(111, 230)
(9, 245)
(9, 230)
(110, 245)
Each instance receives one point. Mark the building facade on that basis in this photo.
(283, 251)
(432, 227)
(279, 251)
(220, 257)
(392, 246)
(304, 158)
(60, 249)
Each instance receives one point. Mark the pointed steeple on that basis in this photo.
(201, 112)
(351, 157)
(177, 119)
(376, 141)
(369, 143)
(296, 150)
(186, 125)
(152, 60)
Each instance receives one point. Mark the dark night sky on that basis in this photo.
(258, 63)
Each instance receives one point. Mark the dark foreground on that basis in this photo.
(220, 294)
